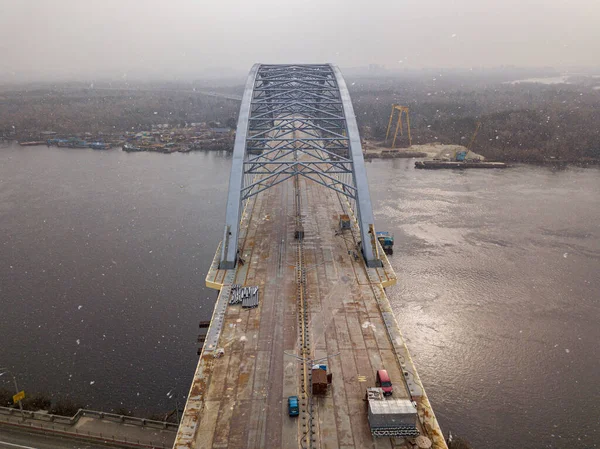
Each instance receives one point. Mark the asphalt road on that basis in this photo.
(10, 439)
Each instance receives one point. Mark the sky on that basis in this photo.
(90, 39)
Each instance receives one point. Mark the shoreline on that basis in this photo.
(42, 403)
(208, 145)
(440, 151)
(370, 153)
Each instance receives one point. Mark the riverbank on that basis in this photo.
(378, 150)
(93, 426)
(208, 141)
(436, 150)
(162, 140)
(43, 404)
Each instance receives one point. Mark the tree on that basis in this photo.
(65, 407)
(231, 122)
(37, 401)
(6, 398)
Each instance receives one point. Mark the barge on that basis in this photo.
(131, 148)
(99, 146)
(435, 165)
(32, 143)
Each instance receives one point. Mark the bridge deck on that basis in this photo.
(239, 400)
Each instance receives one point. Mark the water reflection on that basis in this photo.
(104, 255)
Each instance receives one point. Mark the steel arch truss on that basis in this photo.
(297, 120)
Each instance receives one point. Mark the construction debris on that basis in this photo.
(246, 296)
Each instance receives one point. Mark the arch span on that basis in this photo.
(297, 120)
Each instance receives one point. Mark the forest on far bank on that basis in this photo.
(528, 122)
(519, 122)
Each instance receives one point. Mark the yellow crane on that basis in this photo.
(399, 127)
(474, 135)
(460, 156)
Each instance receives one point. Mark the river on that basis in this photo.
(103, 257)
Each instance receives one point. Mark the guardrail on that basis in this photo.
(104, 438)
(59, 419)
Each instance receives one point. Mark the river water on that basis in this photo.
(103, 256)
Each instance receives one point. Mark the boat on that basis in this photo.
(32, 143)
(170, 148)
(99, 146)
(130, 148)
(70, 143)
(434, 165)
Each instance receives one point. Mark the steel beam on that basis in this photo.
(364, 207)
(234, 196)
(297, 120)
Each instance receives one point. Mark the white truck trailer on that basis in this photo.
(391, 417)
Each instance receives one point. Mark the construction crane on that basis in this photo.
(474, 135)
(399, 127)
(462, 155)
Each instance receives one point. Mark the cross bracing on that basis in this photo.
(297, 120)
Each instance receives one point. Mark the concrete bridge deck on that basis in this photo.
(238, 400)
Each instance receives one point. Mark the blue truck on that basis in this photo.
(386, 241)
(293, 409)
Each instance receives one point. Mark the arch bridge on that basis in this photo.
(298, 301)
(297, 120)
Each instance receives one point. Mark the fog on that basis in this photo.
(185, 38)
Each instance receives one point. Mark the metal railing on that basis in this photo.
(59, 419)
(63, 426)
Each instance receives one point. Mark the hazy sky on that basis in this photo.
(88, 38)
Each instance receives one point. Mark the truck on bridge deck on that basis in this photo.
(386, 240)
(391, 417)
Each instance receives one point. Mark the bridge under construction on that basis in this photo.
(301, 280)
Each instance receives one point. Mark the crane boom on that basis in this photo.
(474, 135)
(399, 126)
